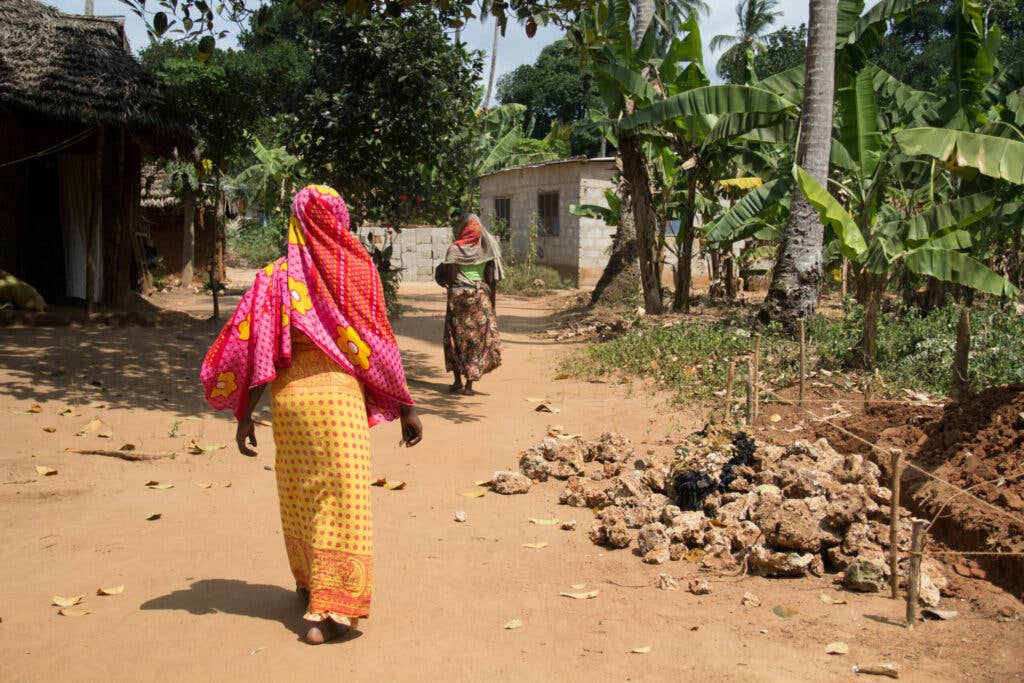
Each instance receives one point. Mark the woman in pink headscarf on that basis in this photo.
(314, 327)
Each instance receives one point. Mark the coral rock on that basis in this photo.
(510, 483)
(652, 536)
(767, 563)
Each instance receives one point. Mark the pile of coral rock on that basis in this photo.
(720, 501)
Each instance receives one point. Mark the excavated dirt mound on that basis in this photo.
(976, 444)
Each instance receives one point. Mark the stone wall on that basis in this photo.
(417, 249)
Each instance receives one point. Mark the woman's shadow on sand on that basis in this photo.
(232, 596)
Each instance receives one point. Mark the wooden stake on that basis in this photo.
(123, 455)
(803, 356)
(961, 386)
(894, 523)
(867, 394)
(751, 394)
(914, 573)
(728, 390)
(754, 372)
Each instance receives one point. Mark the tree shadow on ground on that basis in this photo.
(137, 367)
(233, 596)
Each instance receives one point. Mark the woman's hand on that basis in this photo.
(412, 428)
(246, 430)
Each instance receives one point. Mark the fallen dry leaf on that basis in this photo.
(93, 427)
(483, 482)
(547, 408)
(694, 555)
(478, 493)
(34, 409)
(153, 516)
(395, 486)
(640, 650)
(535, 546)
(515, 623)
(74, 612)
(46, 471)
(128, 447)
(196, 448)
(383, 481)
(880, 669)
(537, 400)
(205, 485)
(543, 522)
(106, 434)
(837, 648)
(113, 590)
(578, 586)
(589, 595)
(61, 601)
(158, 485)
(829, 600)
(223, 484)
(50, 430)
(775, 417)
(67, 412)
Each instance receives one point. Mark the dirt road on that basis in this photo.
(208, 594)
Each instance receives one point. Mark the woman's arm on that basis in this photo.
(246, 427)
(412, 428)
(492, 282)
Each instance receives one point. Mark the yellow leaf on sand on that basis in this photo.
(35, 409)
(46, 471)
(61, 601)
(837, 648)
(478, 493)
(536, 400)
(483, 482)
(640, 650)
(68, 412)
(578, 586)
(127, 448)
(113, 590)
(589, 595)
(694, 555)
(547, 408)
(74, 612)
(383, 481)
(153, 516)
(93, 427)
(223, 484)
(49, 430)
(535, 546)
(829, 600)
(543, 522)
(106, 434)
(514, 624)
(205, 485)
(158, 485)
(775, 417)
(395, 486)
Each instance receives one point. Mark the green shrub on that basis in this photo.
(256, 245)
(519, 279)
(915, 351)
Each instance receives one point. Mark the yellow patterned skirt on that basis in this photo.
(323, 482)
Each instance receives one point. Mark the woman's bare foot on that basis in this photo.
(468, 390)
(327, 630)
(457, 388)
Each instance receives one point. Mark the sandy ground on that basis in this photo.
(208, 594)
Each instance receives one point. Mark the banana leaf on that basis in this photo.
(995, 157)
(859, 131)
(715, 99)
(959, 213)
(959, 268)
(832, 213)
(738, 222)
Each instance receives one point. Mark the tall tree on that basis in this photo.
(796, 282)
(754, 18)
(783, 49)
(494, 65)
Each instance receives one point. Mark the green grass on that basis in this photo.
(914, 351)
(519, 279)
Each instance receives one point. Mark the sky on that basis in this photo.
(514, 48)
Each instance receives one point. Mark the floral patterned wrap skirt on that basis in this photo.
(472, 346)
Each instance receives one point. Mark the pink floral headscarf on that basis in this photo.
(328, 288)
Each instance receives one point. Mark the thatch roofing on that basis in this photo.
(76, 69)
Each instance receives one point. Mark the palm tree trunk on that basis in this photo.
(796, 282)
(494, 63)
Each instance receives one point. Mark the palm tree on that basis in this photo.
(754, 18)
(796, 282)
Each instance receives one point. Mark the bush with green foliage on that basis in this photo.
(520, 278)
(255, 244)
(915, 351)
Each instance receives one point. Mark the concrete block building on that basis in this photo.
(540, 195)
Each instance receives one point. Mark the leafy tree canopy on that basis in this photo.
(389, 117)
(555, 88)
(781, 50)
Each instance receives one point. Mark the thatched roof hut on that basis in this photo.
(76, 69)
(77, 115)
